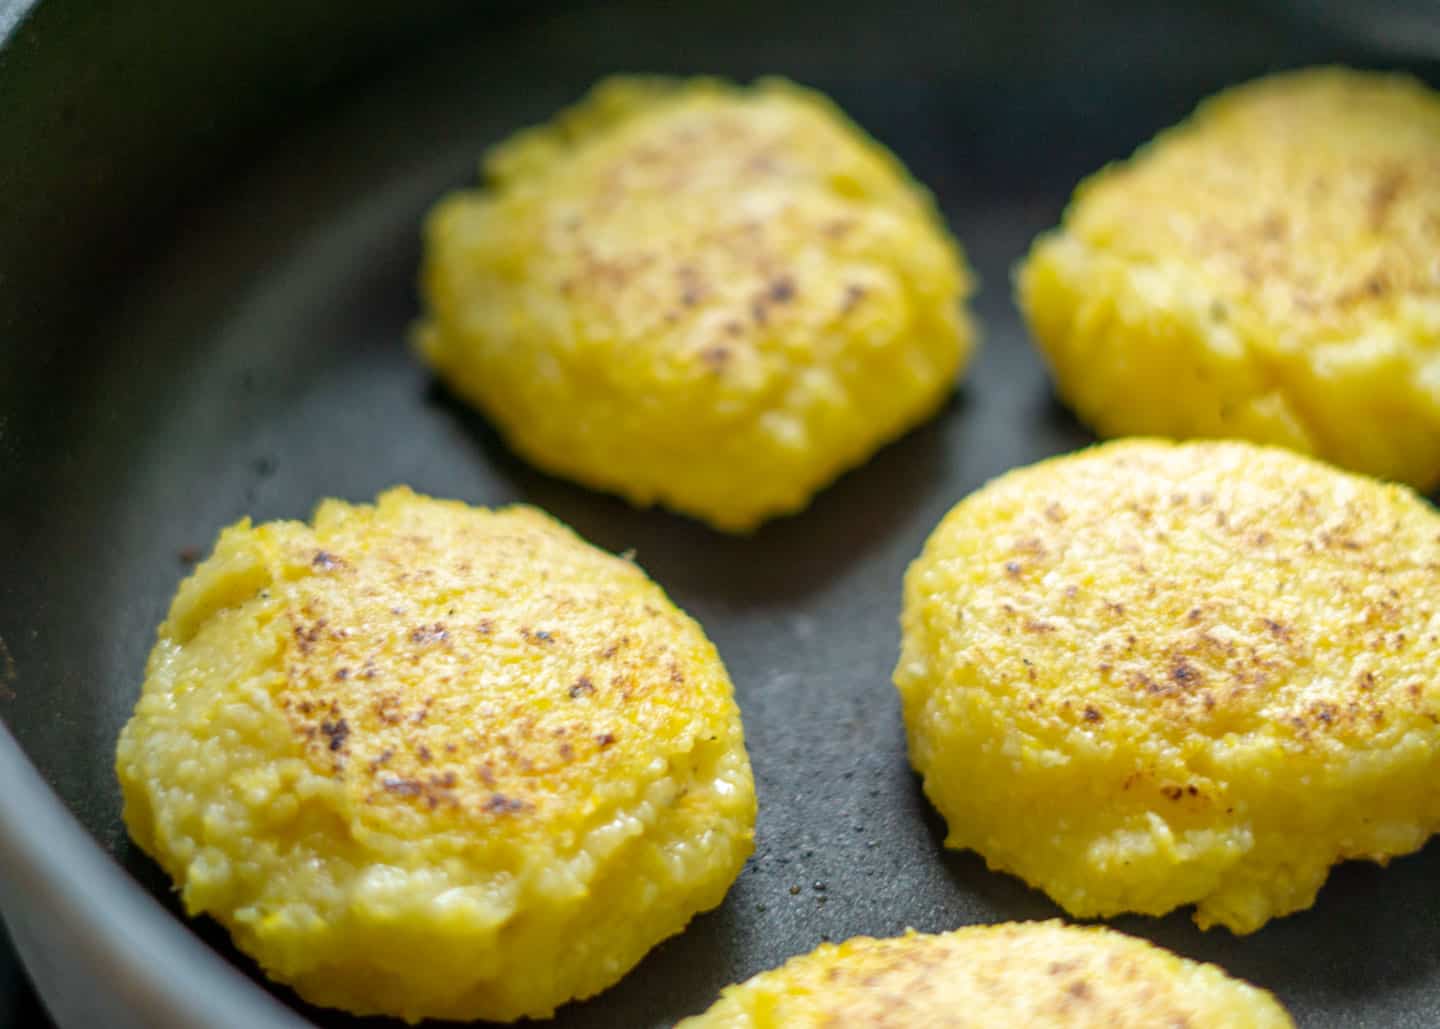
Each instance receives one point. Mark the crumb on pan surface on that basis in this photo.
(1033, 974)
(1151, 675)
(430, 760)
(711, 297)
(1268, 269)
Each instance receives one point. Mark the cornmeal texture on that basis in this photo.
(1152, 675)
(694, 294)
(1031, 974)
(1268, 270)
(429, 760)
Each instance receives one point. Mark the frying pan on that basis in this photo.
(208, 248)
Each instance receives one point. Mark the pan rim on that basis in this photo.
(111, 930)
(101, 925)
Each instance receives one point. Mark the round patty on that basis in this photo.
(1269, 270)
(429, 760)
(1151, 675)
(695, 294)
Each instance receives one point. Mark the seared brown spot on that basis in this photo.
(1274, 227)
(1279, 630)
(501, 804)
(436, 633)
(307, 636)
(387, 709)
(716, 357)
(337, 732)
(402, 787)
(1183, 674)
(1032, 546)
(782, 290)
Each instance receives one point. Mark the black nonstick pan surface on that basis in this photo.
(209, 256)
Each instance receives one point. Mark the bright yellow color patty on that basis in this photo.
(424, 759)
(1151, 675)
(1268, 270)
(1027, 974)
(698, 295)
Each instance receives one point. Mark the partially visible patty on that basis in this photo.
(1267, 270)
(1030, 974)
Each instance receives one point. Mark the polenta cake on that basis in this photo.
(1031, 974)
(1267, 271)
(1150, 675)
(429, 760)
(710, 297)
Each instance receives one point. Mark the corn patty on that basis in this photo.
(690, 293)
(429, 760)
(1032, 974)
(1152, 675)
(1269, 270)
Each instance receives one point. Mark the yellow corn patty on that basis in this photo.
(690, 293)
(1268, 270)
(430, 760)
(1030, 974)
(1152, 675)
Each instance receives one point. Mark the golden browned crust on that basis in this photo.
(1035, 974)
(1150, 675)
(1264, 271)
(698, 294)
(429, 760)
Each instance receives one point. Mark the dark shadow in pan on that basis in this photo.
(993, 896)
(1369, 931)
(782, 562)
(1054, 416)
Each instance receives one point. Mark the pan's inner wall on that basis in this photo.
(247, 356)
